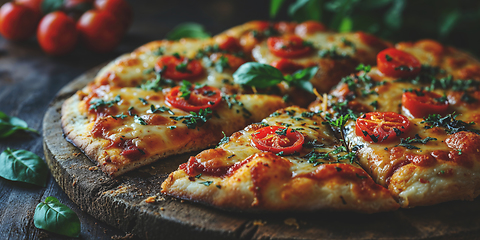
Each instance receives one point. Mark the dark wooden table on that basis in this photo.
(29, 80)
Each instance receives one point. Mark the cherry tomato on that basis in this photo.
(422, 103)
(290, 46)
(381, 126)
(57, 34)
(371, 40)
(17, 22)
(397, 63)
(35, 5)
(199, 98)
(120, 9)
(228, 43)
(234, 62)
(278, 139)
(178, 67)
(309, 27)
(99, 30)
(286, 65)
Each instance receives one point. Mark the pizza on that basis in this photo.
(416, 130)
(392, 125)
(288, 162)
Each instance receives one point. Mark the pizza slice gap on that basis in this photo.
(288, 162)
(130, 127)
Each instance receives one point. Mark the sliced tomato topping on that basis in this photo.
(286, 65)
(231, 61)
(278, 140)
(178, 67)
(290, 46)
(381, 126)
(396, 63)
(309, 27)
(194, 99)
(421, 103)
(228, 43)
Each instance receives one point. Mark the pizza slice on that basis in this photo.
(124, 128)
(291, 47)
(291, 161)
(413, 125)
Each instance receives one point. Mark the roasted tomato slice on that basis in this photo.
(421, 103)
(397, 63)
(278, 140)
(290, 46)
(381, 126)
(286, 65)
(225, 60)
(195, 98)
(178, 67)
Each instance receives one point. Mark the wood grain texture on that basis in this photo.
(120, 202)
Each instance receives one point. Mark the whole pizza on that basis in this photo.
(290, 117)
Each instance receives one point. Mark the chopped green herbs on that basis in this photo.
(224, 140)
(222, 64)
(449, 123)
(96, 103)
(195, 120)
(407, 142)
(206, 183)
(139, 120)
(161, 109)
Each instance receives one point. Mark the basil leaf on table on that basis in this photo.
(23, 166)
(187, 30)
(10, 125)
(263, 75)
(53, 216)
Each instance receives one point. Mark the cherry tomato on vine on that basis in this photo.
(290, 46)
(99, 30)
(381, 126)
(178, 67)
(196, 99)
(57, 34)
(396, 63)
(120, 9)
(278, 140)
(423, 103)
(17, 22)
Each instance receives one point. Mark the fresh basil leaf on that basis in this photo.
(10, 125)
(23, 166)
(301, 78)
(275, 5)
(187, 30)
(346, 25)
(53, 216)
(49, 6)
(305, 74)
(393, 17)
(257, 75)
(448, 22)
(303, 10)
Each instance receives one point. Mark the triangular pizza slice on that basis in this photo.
(291, 161)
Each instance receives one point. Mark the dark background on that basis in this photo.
(29, 80)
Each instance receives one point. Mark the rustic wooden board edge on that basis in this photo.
(99, 195)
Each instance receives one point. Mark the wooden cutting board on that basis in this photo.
(121, 202)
